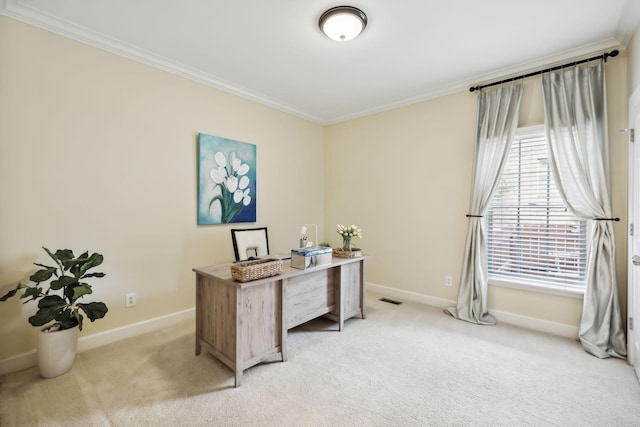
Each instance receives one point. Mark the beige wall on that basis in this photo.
(98, 152)
(404, 177)
(633, 70)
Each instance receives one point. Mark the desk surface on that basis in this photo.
(223, 271)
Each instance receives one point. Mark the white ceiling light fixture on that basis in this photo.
(343, 23)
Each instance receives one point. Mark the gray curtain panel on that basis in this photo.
(496, 124)
(576, 122)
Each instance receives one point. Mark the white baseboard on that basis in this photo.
(540, 325)
(29, 359)
(409, 296)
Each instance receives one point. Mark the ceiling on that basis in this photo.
(271, 51)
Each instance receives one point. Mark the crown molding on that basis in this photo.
(500, 74)
(15, 10)
(628, 22)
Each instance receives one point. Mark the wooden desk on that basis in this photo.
(242, 324)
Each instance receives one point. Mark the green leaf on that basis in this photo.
(94, 310)
(58, 253)
(80, 290)
(67, 318)
(78, 318)
(32, 292)
(63, 254)
(62, 282)
(11, 293)
(52, 301)
(72, 266)
(68, 292)
(79, 266)
(43, 316)
(93, 261)
(50, 308)
(42, 275)
(44, 266)
(93, 275)
(53, 257)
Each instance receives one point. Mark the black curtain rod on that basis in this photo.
(604, 57)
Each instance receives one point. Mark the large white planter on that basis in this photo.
(56, 351)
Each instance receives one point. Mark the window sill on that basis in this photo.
(540, 287)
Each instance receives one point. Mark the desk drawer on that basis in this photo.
(310, 296)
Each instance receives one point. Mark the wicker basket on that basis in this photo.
(258, 269)
(341, 253)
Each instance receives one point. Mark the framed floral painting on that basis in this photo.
(226, 180)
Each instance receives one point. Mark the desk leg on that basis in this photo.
(238, 363)
(198, 313)
(362, 296)
(341, 299)
(283, 319)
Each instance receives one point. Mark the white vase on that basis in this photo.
(56, 351)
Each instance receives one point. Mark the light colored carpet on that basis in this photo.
(405, 365)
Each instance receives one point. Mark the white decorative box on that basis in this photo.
(304, 258)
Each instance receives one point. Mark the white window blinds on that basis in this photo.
(531, 236)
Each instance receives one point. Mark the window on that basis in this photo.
(532, 238)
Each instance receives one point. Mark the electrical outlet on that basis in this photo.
(448, 281)
(130, 299)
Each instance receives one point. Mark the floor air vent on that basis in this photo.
(390, 301)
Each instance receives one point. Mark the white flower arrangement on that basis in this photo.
(350, 231)
(347, 234)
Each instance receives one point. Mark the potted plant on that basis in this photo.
(58, 290)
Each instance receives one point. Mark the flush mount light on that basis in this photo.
(343, 23)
